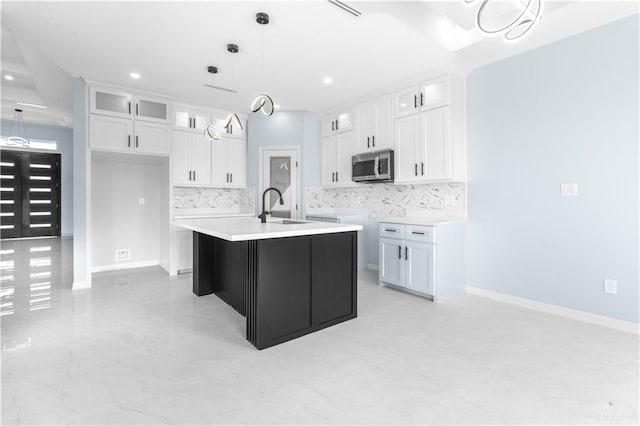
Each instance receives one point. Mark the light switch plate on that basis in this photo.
(568, 189)
(610, 286)
(123, 254)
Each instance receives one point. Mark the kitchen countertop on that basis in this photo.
(250, 228)
(424, 220)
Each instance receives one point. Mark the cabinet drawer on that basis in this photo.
(392, 230)
(421, 233)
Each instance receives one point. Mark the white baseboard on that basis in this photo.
(79, 285)
(373, 267)
(130, 265)
(557, 310)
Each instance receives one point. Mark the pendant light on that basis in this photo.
(262, 102)
(517, 28)
(20, 137)
(212, 133)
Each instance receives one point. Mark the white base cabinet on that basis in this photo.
(412, 259)
(185, 251)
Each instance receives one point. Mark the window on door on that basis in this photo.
(280, 170)
(29, 194)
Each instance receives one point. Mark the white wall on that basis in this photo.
(564, 113)
(118, 220)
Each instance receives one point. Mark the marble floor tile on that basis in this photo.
(140, 348)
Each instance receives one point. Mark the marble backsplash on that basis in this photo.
(240, 199)
(387, 199)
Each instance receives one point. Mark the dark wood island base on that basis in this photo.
(285, 287)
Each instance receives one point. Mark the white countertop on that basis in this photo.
(424, 220)
(250, 228)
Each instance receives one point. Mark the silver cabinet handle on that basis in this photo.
(376, 166)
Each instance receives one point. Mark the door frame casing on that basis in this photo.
(261, 188)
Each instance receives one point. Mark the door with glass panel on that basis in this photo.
(280, 170)
(30, 194)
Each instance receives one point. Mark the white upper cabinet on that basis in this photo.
(373, 125)
(190, 159)
(229, 163)
(188, 118)
(423, 146)
(335, 167)
(123, 122)
(114, 103)
(428, 95)
(110, 133)
(337, 122)
(155, 110)
(152, 138)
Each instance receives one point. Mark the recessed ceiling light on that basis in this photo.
(327, 80)
(8, 77)
(134, 75)
(31, 105)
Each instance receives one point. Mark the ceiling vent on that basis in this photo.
(350, 10)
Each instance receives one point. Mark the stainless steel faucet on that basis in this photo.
(263, 215)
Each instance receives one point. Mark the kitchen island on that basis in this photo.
(288, 278)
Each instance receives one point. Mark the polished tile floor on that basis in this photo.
(140, 348)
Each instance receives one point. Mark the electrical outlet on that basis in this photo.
(141, 201)
(568, 189)
(610, 286)
(123, 254)
(449, 200)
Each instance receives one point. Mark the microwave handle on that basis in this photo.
(376, 166)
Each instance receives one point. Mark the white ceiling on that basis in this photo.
(171, 43)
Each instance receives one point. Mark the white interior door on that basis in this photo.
(280, 170)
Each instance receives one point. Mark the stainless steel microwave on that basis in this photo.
(372, 166)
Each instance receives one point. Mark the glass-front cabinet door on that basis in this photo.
(435, 93)
(406, 102)
(110, 102)
(151, 109)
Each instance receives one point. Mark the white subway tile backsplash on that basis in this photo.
(387, 199)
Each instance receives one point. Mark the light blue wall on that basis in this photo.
(564, 113)
(298, 128)
(63, 136)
